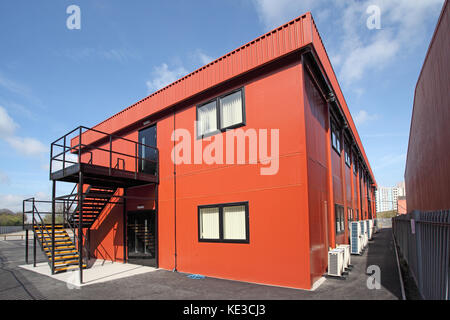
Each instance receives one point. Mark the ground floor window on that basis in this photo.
(350, 214)
(227, 222)
(340, 219)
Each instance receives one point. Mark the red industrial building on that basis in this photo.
(427, 173)
(401, 205)
(267, 219)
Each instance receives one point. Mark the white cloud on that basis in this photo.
(273, 13)
(24, 145)
(121, 55)
(4, 178)
(363, 116)
(12, 202)
(356, 50)
(163, 76)
(7, 124)
(203, 57)
(20, 90)
(13, 86)
(389, 161)
(27, 146)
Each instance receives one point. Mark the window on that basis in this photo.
(355, 164)
(347, 154)
(335, 138)
(340, 219)
(207, 119)
(349, 215)
(148, 155)
(209, 223)
(223, 223)
(222, 113)
(231, 110)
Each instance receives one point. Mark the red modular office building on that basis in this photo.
(228, 220)
(427, 173)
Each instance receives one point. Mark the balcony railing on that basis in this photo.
(93, 147)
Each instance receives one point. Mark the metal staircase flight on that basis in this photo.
(95, 199)
(66, 254)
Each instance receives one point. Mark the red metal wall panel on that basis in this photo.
(427, 172)
(316, 145)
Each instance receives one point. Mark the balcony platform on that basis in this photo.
(103, 176)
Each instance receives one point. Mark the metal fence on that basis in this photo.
(10, 229)
(424, 242)
(384, 223)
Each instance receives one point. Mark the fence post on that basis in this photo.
(447, 256)
(418, 228)
(34, 238)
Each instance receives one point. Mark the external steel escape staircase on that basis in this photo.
(98, 164)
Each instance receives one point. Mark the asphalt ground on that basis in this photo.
(19, 284)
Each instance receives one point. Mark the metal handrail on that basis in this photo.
(78, 148)
(39, 223)
(83, 247)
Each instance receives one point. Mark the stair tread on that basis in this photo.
(60, 247)
(67, 262)
(59, 269)
(62, 258)
(61, 254)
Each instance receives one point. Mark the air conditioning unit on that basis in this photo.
(336, 262)
(369, 230)
(363, 232)
(355, 237)
(346, 248)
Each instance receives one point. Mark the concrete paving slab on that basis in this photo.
(98, 272)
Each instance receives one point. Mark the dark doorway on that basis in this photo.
(147, 150)
(141, 234)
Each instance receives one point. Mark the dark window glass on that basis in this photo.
(347, 154)
(339, 218)
(148, 155)
(335, 138)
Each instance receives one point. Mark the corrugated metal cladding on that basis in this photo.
(427, 173)
(283, 40)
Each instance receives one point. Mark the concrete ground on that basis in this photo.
(19, 283)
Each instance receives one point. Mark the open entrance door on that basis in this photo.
(141, 234)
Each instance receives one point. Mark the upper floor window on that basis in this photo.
(335, 138)
(148, 155)
(347, 154)
(355, 163)
(221, 113)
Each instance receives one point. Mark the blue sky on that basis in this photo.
(53, 79)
